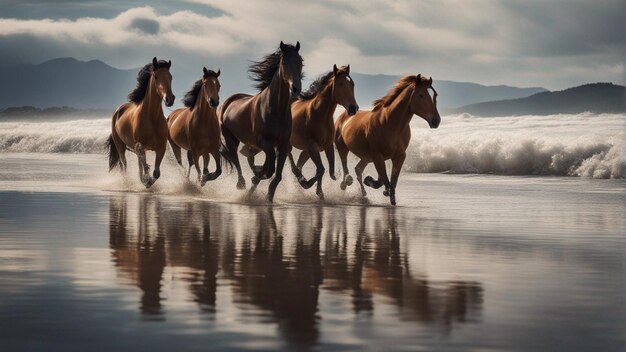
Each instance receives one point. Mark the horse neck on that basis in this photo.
(151, 103)
(398, 114)
(279, 95)
(202, 109)
(324, 104)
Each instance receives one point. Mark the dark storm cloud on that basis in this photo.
(532, 43)
(145, 25)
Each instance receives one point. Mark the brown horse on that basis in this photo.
(196, 127)
(263, 122)
(313, 127)
(384, 133)
(139, 124)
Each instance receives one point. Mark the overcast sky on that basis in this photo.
(554, 44)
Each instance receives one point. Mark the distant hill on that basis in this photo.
(451, 94)
(94, 84)
(595, 97)
(33, 113)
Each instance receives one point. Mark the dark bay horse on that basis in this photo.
(384, 132)
(139, 124)
(196, 127)
(263, 122)
(313, 127)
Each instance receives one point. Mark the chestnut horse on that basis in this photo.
(196, 127)
(139, 124)
(313, 127)
(263, 122)
(384, 132)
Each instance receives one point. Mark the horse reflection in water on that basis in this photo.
(278, 261)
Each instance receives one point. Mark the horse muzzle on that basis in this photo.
(435, 121)
(169, 101)
(214, 103)
(295, 92)
(352, 109)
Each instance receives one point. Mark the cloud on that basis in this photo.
(487, 41)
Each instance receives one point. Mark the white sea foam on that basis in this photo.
(568, 145)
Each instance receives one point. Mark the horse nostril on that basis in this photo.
(352, 109)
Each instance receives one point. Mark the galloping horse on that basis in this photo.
(263, 122)
(384, 133)
(139, 124)
(313, 126)
(196, 127)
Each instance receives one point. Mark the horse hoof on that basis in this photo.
(349, 180)
(332, 177)
(255, 180)
(393, 200)
(386, 193)
(369, 181)
(320, 195)
(343, 185)
(241, 184)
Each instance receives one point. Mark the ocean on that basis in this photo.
(509, 234)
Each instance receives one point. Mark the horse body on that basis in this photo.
(384, 133)
(196, 127)
(313, 127)
(263, 122)
(139, 125)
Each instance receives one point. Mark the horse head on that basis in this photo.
(422, 104)
(343, 89)
(211, 87)
(290, 69)
(163, 80)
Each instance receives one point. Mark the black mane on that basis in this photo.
(263, 71)
(143, 78)
(192, 95)
(317, 86)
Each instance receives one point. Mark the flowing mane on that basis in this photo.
(263, 71)
(317, 86)
(143, 78)
(394, 92)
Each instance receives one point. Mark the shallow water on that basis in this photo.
(465, 263)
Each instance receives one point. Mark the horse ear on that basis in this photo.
(430, 81)
(298, 46)
(218, 72)
(169, 64)
(205, 71)
(282, 46)
(348, 69)
(418, 78)
(155, 63)
(335, 69)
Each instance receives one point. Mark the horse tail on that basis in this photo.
(112, 153)
(227, 154)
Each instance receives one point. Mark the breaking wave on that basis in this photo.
(561, 145)
(584, 145)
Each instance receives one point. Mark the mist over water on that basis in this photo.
(583, 145)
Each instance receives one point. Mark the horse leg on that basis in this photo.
(379, 163)
(330, 155)
(177, 152)
(196, 163)
(284, 150)
(296, 170)
(250, 152)
(360, 166)
(342, 149)
(160, 153)
(232, 143)
(218, 163)
(270, 162)
(143, 167)
(396, 166)
(189, 161)
(319, 170)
